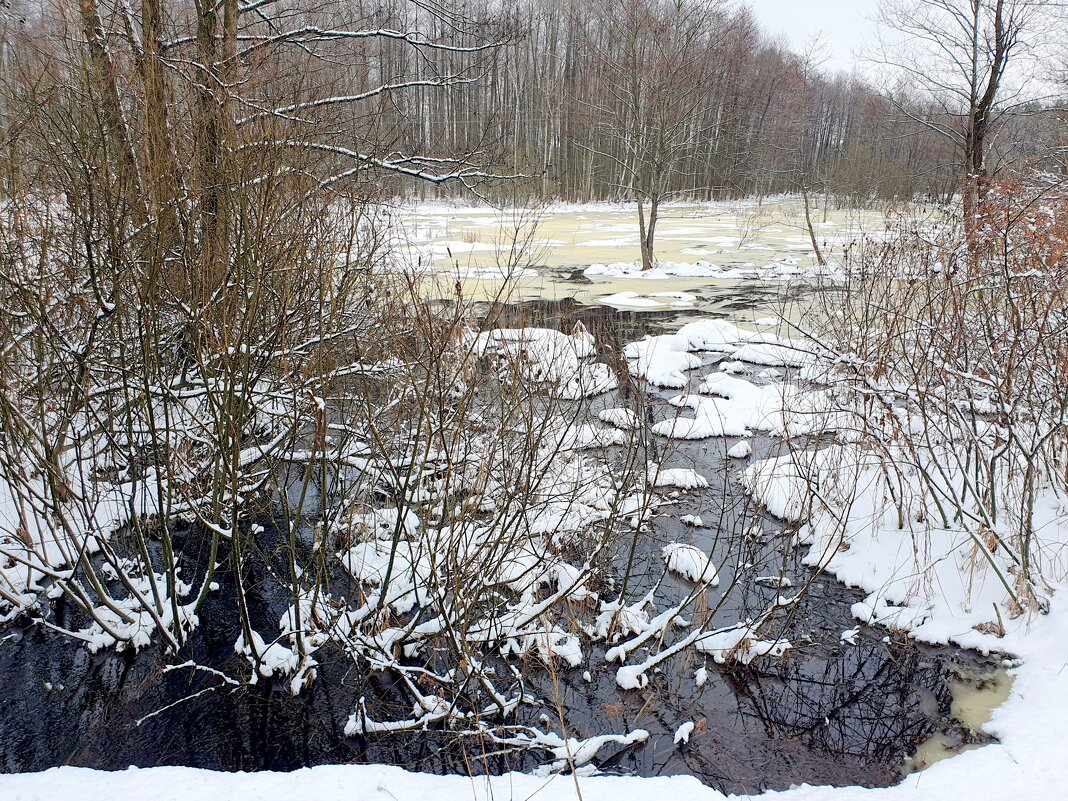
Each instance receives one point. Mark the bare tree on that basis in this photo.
(974, 62)
(654, 61)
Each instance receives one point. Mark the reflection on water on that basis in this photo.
(830, 713)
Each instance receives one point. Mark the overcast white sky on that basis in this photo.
(846, 25)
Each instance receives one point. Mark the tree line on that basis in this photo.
(587, 100)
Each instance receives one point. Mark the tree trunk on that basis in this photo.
(822, 262)
(161, 167)
(103, 73)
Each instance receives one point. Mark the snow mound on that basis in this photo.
(680, 477)
(740, 450)
(739, 406)
(662, 360)
(740, 645)
(550, 357)
(625, 419)
(690, 562)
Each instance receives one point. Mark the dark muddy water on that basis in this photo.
(828, 712)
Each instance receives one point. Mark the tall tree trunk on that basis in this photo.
(102, 76)
(161, 167)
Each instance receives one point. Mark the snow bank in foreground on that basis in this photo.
(1028, 763)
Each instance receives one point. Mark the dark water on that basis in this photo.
(828, 712)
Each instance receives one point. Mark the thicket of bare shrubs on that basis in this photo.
(953, 333)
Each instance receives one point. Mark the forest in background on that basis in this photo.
(585, 100)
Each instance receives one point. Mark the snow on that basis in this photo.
(632, 619)
(662, 360)
(382, 523)
(774, 354)
(680, 477)
(550, 357)
(683, 732)
(740, 450)
(690, 562)
(652, 300)
(714, 335)
(952, 603)
(740, 644)
(739, 406)
(783, 268)
(625, 419)
(1031, 726)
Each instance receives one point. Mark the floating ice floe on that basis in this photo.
(770, 351)
(740, 450)
(778, 582)
(683, 732)
(502, 272)
(690, 562)
(625, 419)
(680, 477)
(652, 300)
(785, 268)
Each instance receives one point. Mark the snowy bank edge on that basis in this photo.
(1026, 763)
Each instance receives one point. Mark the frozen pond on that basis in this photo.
(548, 253)
(846, 704)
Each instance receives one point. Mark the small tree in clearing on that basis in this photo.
(654, 60)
